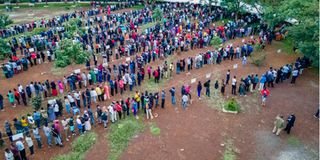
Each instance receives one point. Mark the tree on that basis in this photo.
(70, 52)
(4, 21)
(305, 34)
(157, 14)
(235, 6)
(36, 102)
(5, 50)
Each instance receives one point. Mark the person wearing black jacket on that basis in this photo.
(290, 122)
(207, 85)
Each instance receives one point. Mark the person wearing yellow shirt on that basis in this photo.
(137, 98)
(24, 124)
(99, 93)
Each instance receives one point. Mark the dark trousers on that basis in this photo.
(23, 154)
(162, 103)
(288, 128)
(233, 90)
(31, 150)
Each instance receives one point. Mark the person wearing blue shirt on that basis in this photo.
(37, 118)
(262, 82)
(173, 98)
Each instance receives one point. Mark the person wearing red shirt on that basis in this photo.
(264, 93)
(118, 109)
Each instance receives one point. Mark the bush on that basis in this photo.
(5, 50)
(79, 147)
(69, 53)
(216, 41)
(232, 105)
(36, 102)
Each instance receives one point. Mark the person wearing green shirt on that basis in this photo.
(93, 76)
(11, 98)
(278, 125)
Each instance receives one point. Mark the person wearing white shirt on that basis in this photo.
(94, 95)
(234, 85)
(184, 101)
(8, 154)
(30, 144)
(111, 112)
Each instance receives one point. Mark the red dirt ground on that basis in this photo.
(200, 130)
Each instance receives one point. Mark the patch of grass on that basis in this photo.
(120, 135)
(221, 22)
(293, 141)
(154, 129)
(258, 58)
(287, 45)
(232, 105)
(58, 71)
(216, 100)
(229, 152)
(148, 25)
(50, 5)
(79, 147)
(137, 7)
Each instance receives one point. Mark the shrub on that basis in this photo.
(36, 102)
(5, 50)
(232, 105)
(155, 130)
(216, 41)
(69, 53)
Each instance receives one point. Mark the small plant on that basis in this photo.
(258, 60)
(216, 41)
(155, 130)
(232, 105)
(36, 102)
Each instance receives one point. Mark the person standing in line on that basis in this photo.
(173, 98)
(15, 151)
(184, 101)
(30, 144)
(37, 136)
(207, 85)
(47, 133)
(199, 88)
(263, 80)
(223, 87)
(290, 123)
(21, 149)
(278, 125)
(163, 98)
(295, 74)
(104, 117)
(228, 77)
(1, 102)
(8, 154)
(264, 93)
(234, 86)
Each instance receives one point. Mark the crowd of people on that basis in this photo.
(184, 27)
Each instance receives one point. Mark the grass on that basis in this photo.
(229, 152)
(154, 129)
(148, 25)
(79, 147)
(137, 7)
(58, 71)
(258, 58)
(293, 141)
(221, 22)
(120, 135)
(216, 100)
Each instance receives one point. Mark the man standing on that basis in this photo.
(278, 125)
(173, 98)
(228, 77)
(199, 88)
(207, 85)
(295, 74)
(290, 122)
(234, 86)
(264, 94)
(163, 97)
(184, 101)
(21, 149)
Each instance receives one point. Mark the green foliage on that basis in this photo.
(137, 7)
(258, 59)
(79, 147)
(157, 14)
(69, 53)
(216, 41)
(36, 102)
(233, 6)
(232, 105)
(5, 50)
(229, 153)
(154, 130)
(305, 34)
(4, 21)
(120, 135)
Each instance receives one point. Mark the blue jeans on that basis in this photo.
(173, 100)
(184, 105)
(49, 139)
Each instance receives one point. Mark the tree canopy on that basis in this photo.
(4, 21)
(305, 34)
